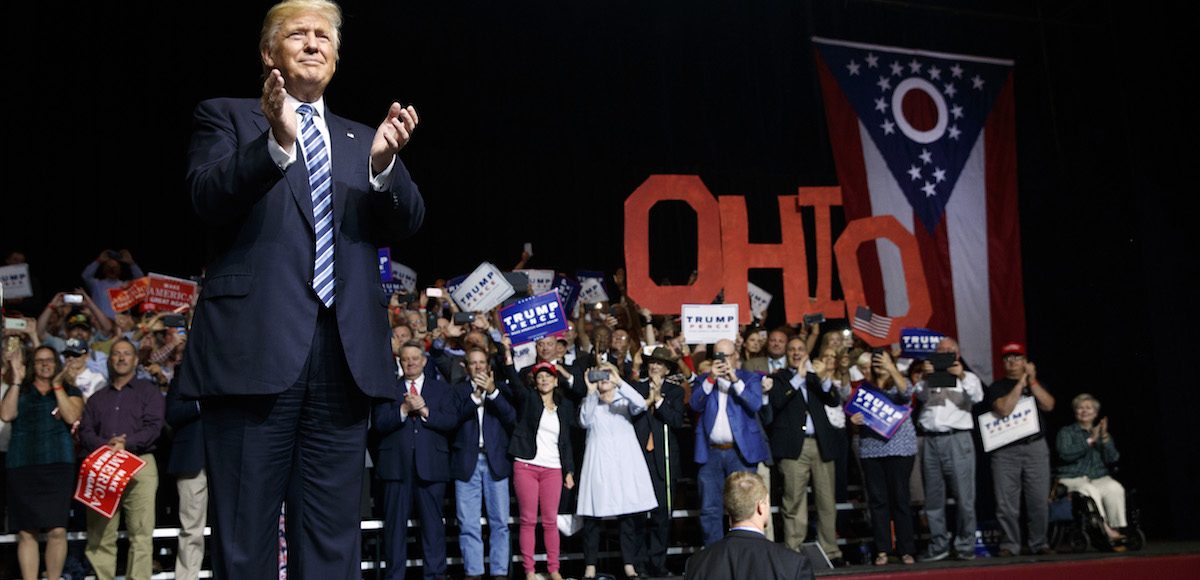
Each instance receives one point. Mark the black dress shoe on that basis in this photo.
(839, 562)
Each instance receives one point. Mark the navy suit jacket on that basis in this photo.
(499, 417)
(412, 446)
(253, 325)
(187, 443)
(742, 411)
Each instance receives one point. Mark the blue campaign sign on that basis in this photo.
(568, 290)
(385, 264)
(880, 413)
(919, 342)
(534, 317)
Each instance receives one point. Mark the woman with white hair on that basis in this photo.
(1086, 449)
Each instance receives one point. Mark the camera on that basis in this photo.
(815, 318)
(596, 375)
(72, 298)
(719, 357)
(15, 324)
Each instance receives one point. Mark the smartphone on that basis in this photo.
(72, 298)
(461, 318)
(174, 320)
(529, 248)
(15, 324)
(648, 349)
(433, 292)
(720, 356)
(595, 376)
(942, 360)
(815, 318)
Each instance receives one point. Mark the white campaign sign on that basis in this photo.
(483, 290)
(15, 279)
(759, 301)
(540, 281)
(1000, 431)
(404, 276)
(708, 323)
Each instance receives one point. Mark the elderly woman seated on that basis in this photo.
(1086, 449)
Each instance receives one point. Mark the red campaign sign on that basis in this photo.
(103, 477)
(167, 293)
(153, 292)
(130, 295)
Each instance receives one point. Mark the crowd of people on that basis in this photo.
(594, 428)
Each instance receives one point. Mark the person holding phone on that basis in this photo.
(888, 464)
(40, 464)
(614, 479)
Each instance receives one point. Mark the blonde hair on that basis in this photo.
(1083, 397)
(288, 9)
(743, 491)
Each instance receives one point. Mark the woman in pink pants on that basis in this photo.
(541, 446)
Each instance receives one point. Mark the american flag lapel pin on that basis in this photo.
(350, 133)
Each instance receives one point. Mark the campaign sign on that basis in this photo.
(1000, 431)
(591, 287)
(568, 290)
(879, 412)
(15, 279)
(404, 279)
(919, 342)
(167, 293)
(385, 261)
(103, 477)
(130, 295)
(482, 290)
(708, 323)
(534, 317)
(524, 355)
(759, 301)
(540, 281)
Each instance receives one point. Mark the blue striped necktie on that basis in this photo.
(316, 157)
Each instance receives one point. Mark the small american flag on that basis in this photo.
(876, 325)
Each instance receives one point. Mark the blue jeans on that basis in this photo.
(470, 537)
(721, 464)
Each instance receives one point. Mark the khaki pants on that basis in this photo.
(137, 506)
(796, 475)
(1108, 494)
(764, 471)
(193, 513)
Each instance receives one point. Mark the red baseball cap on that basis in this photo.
(1012, 348)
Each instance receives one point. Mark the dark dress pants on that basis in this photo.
(630, 533)
(658, 526)
(399, 498)
(304, 445)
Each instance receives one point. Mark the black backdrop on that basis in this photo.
(539, 118)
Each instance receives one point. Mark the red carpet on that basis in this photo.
(1129, 568)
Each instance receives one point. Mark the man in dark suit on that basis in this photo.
(187, 465)
(804, 445)
(745, 552)
(728, 435)
(480, 465)
(655, 431)
(414, 462)
(290, 336)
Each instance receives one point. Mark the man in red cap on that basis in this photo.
(1021, 468)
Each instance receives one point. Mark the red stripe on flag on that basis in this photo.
(1005, 287)
(852, 176)
(935, 260)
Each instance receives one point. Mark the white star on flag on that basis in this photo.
(853, 68)
(884, 84)
(950, 90)
(935, 73)
(928, 189)
(954, 132)
(914, 66)
(956, 110)
(939, 174)
(881, 105)
(872, 60)
(977, 82)
(956, 71)
(888, 127)
(897, 68)
(915, 172)
(926, 156)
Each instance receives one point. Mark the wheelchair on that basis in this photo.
(1076, 525)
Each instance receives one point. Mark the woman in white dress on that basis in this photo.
(614, 479)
